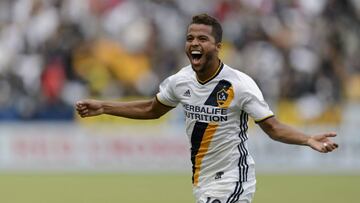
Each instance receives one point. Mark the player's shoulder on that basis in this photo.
(181, 76)
(237, 75)
(185, 71)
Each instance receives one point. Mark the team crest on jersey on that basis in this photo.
(221, 97)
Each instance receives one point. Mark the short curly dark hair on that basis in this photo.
(205, 19)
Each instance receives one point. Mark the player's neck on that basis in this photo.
(209, 72)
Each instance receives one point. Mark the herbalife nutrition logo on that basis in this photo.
(187, 93)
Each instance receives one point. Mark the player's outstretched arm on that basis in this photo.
(284, 133)
(147, 109)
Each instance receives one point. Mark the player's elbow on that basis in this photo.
(156, 116)
(155, 110)
(151, 113)
(272, 128)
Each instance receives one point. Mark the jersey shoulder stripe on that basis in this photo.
(163, 103)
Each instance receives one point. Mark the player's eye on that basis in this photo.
(189, 39)
(203, 39)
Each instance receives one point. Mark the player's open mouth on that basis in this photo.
(196, 57)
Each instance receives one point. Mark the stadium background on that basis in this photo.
(303, 54)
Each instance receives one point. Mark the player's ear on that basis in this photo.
(218, 46)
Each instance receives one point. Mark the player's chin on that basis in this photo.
(197, 67)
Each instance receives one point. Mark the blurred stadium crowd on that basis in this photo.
(53, 52)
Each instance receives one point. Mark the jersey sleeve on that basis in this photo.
(253, 102)
(166, 94)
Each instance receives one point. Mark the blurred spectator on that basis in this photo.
(54, 52)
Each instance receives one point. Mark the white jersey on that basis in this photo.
(216, 114)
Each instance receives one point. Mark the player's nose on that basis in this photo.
(194, 42)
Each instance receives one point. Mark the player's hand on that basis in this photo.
(87, 108)
(322, 142)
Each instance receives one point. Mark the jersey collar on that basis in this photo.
(212, 77)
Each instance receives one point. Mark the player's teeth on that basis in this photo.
(195, 52)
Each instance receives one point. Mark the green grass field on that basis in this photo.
(168, 188)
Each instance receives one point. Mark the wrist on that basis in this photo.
(308, 141)
(104, 108)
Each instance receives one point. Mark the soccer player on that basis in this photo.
(217, 101)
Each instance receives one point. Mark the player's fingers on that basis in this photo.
(84, 115)
(82, 112)
(333, 145)
(81, 108)
(79, 103)
(330, 134)
(323, 147)
(82, 104)
(85, 111)
(329, 146)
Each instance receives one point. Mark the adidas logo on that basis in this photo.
(187, 93)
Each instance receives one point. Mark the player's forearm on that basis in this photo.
(134, 110)
(289, 135)
(284, 133)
